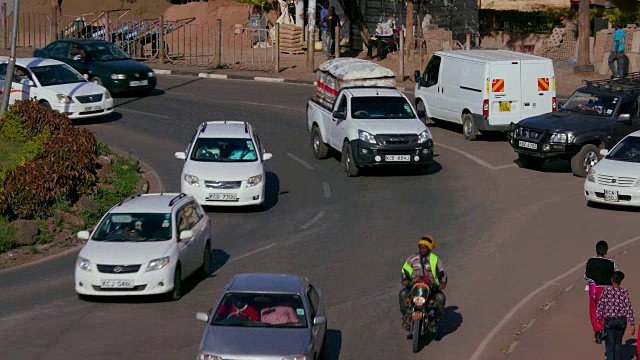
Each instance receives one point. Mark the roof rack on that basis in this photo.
(631, 82)
(204, 126)
(246, 127)
(173, 201)
(129, 198)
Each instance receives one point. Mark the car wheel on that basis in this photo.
(320, 149)
(420, 107)
(531, 162)
(46, 105)
(96, 80)
(469, 128)
(347, 161)
(176, 293)
(206, 261)
(584, 160)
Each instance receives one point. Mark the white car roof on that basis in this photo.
(32, 62)
(227, 129)
(373, 92)
(635, 133)
(149, 203)
(490, 55)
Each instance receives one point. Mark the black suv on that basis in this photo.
(595, 117)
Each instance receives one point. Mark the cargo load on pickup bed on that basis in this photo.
(335, 75)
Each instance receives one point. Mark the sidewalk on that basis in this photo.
(564, 330)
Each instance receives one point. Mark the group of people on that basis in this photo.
(609, 304)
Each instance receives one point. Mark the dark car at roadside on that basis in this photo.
(103, 63)
(596, 116)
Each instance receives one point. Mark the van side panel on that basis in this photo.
(537, 87)
(470, 91)
(505, 96)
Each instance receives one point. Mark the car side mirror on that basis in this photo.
(319, 320)
(339, 115)
(186, 234)
(83, 235)
(604, 152)
(267, 156)
(202, 316)
(624, 117)
(180, 155)
(416, 76)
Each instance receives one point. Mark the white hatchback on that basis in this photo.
(616, 178)
(145, 245)
(57, 86)
(224, 165)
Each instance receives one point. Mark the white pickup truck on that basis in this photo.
(357, 111)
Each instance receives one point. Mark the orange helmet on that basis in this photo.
(428, 241)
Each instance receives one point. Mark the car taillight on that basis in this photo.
(485, 107)
(554, 104)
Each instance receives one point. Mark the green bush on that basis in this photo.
(12, 125)
(520, 21)
(7, 235)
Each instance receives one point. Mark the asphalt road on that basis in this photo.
(502, 232)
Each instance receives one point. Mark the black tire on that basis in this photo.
(588, 156)
(347, 161)
(531, 162)
(97, 80)
(320, 149)
(46, 105)
(176, 293)
(206, 261)
(420, 107)
(415, 329)
(469, 127)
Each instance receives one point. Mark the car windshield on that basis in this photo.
(57, 75)
(586, 103)
(106, 52)
(381, 107)
(627, 150)
(134, 227)
(260, 310)
(224, 150)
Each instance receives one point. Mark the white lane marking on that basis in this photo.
(253, 252)
(302, 162)
(268, 79)
(212, 76)
(326, 189)
(475, 158)
(313, 221)
(144, 113)
(269, 105)
(485, 342)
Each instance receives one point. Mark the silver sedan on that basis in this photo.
(265, 317)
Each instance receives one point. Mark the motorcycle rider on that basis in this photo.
(425, 267)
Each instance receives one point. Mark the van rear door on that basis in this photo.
(505, 97)
(538, 87)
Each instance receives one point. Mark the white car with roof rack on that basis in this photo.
(56, 86)
(223, 165)
(145, 245)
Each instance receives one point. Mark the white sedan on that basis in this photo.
(57, 86)
(616, 178)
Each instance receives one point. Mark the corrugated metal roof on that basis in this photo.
(354, 69)
(492, 55)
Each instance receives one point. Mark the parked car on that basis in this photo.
(485, 90)
(103, 63)
(145, 245)
(616, 178)
(265, 316)
(224, 165)
(56, 86)
(595, 117)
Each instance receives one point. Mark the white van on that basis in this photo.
(485, 90)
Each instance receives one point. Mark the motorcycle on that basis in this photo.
(423, 312)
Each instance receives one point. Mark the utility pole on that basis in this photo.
(584, 32)
(12, 62)
(311, 39)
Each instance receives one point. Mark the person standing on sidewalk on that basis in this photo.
(598, 272)
(324, 25)
(614, 311)
(617, 53)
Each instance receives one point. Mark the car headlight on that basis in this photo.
(302, 357)
(107, 94)
(254, 180)
(191, 179)
(202, 356)
(151, 74)
(418, 300)
(591, 176)
(118, 76)
(365, 136)
(157, 264)
(64, 99)
(83, 264)
(558, 138)
(424, 136)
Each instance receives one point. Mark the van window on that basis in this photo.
(432, 71)
(630, 107)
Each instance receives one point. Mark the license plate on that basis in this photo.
(92, 108)
(505, 106)
(397, 158)
(527, 145)
(139, 83)
(117, 284)
(611, 195)
(222, 197)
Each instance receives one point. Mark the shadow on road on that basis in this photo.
(130, 98)
(492, 136)
(629, 350)
(333, 344)
(271, 195)
(113, 117)
(450, 321)
(550, 166)
(391, 170)
(614, 207)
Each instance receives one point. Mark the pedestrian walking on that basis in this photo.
(617, 53)
(598, 272)
(324, 26)
(614, 312)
